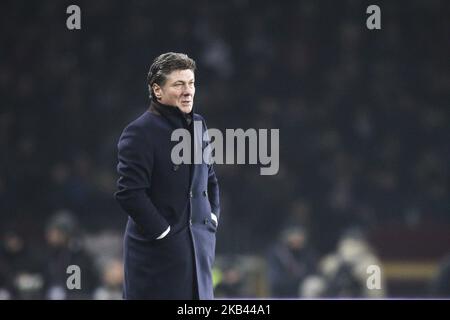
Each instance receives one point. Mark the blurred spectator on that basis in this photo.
(345, 272)
(289, 263)
(231, 283)
(63, 248)
(111, 282)
(20, 273)
(440, 287)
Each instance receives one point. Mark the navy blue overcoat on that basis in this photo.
(157, 193)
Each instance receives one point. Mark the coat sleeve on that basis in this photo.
(135, 170)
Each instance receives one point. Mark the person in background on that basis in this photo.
(21, 276)
(111, 281)
(289, 263)
(440, 286)
(63, 249)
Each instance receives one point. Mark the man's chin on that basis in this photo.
(185, 109)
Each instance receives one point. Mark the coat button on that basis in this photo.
(206, 221)
(190, 222)
(191, 195)
(205, 193)
(175, 167)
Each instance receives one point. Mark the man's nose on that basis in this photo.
(188, 91)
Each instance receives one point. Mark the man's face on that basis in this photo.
(178, 90)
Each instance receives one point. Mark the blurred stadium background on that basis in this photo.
(364, 141)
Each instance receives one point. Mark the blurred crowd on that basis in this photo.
(363, 118)
(45, 270)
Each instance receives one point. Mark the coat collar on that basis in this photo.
(172, 114)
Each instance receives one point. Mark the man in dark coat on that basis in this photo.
(173, 209)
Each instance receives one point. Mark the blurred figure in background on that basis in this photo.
(112, 281)
(440, 286)
(64, 248)
(20, 273)
(289, 263)
(231, 284)
(345, 272)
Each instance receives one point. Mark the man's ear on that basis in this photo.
(156, 90)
